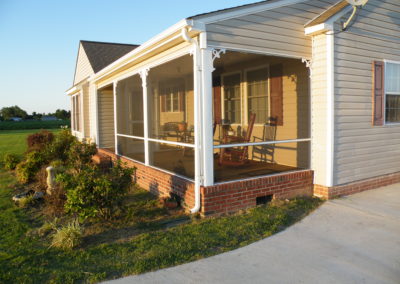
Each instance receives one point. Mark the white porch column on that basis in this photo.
(207, 115)
(115, 84)
(143, 74)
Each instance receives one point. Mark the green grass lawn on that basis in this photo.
(14, 141)
(26, 258)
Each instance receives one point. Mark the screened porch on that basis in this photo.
(260, 122)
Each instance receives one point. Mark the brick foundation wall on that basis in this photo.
(221, 198)
(355, 187)
(233, 196)
(158, 182)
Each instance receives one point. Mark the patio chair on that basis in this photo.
(239, 155)
(265, 153)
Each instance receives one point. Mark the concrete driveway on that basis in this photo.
(355, 239)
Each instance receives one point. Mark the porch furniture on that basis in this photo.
(265, 153)
(239, 155)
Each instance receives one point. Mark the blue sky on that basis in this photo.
(39, 40)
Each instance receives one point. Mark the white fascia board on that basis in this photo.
(242, 11)
(317, 29)
(136, 53)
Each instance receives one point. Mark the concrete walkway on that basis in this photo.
(355, 239)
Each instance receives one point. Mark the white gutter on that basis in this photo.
(197, 118)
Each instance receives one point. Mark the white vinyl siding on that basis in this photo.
(362, 150)
(83, 67)
(277, 32)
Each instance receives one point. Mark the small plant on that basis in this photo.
(10, 161)
(38, 141)
(47, 228)
(26, 201)
(68, 236)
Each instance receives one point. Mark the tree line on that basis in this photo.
(7, 113)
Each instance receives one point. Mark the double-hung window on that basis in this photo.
(392, 92)
(76, 113)
(172, 98)
(257, 94)
(232, 98)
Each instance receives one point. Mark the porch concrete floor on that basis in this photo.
(354, 239)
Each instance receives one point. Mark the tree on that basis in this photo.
(13, 111)
(62, 114)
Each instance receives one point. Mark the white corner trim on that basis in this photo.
(330, 106)
(317, 29)
(242, 11)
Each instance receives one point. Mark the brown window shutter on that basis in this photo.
(378, 92)
(276, 93)
(217, 99)
(163, 99)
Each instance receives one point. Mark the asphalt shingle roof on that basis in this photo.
(102, 54)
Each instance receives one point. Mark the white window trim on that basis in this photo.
(388, 123)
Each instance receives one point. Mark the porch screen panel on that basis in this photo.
(171, 101)
(131, 148)
(257, 93)
(130, 107)
(232, 100)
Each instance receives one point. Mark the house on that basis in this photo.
(15, 119)
(274, 99)
(48, 118)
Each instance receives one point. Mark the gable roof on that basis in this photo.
(101, 54)
(227, 9)
(322, 18)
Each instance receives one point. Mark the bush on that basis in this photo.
(26, 170)
(93, 193)
(68, 237)
(38, 141)
(59, 148)
(80, 155)
(10, 161)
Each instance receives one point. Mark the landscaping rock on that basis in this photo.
(17, 197)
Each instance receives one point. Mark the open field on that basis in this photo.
(124, 247)
(22, 125)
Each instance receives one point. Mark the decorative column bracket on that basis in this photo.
(308, 63)
(216, 53)
(143, 75)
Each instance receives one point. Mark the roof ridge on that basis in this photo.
(103, 42)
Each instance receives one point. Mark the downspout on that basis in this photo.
(197, 118)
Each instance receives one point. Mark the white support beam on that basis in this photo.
(207, 116)
(143, 75)
(115, 85)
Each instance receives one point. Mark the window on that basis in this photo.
(232, 98)
(172, 99)
(257, 94)
(76, 112)
(392, 87)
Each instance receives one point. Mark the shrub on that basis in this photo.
(26, 170)
(38, 141)
(68, 237)
(80, 154)
(59, 148)
(93, 193)
(10, 161)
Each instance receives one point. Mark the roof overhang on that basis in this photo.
(317, 29)
(77, 88)
(171, 36)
